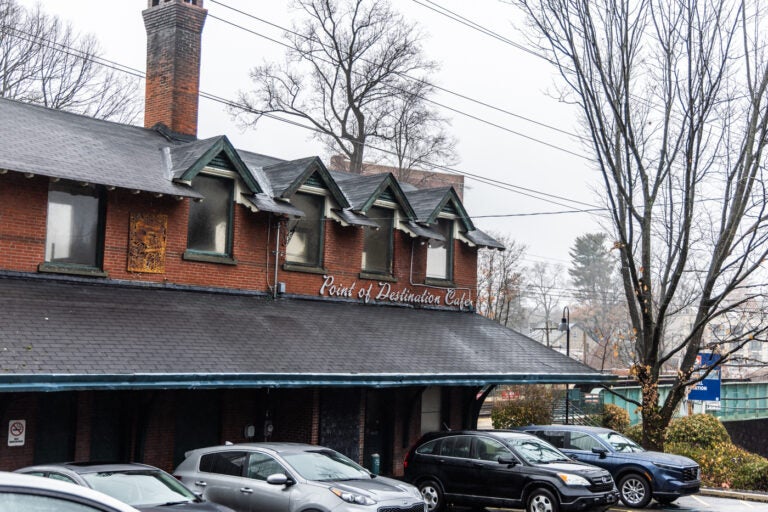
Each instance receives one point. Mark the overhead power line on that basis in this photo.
(532, 193)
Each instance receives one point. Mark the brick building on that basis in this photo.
(161, 293)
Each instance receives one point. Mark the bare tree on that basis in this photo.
(543, 282)
(673, 95)
(499, 278)
(348, 66)
(43, 61)
(418, 140)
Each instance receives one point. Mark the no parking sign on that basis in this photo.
(17, 432)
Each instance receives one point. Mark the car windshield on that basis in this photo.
(324, 465)
(621, 443)
(535, 451)
(140, 488)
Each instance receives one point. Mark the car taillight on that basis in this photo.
(405, 460)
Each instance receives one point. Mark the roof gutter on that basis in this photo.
(75, 382)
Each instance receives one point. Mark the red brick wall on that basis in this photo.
(23, 208)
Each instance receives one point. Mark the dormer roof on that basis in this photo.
(363, 191)
(188, 160)
(288, 176)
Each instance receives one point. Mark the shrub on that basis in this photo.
(534, 406)
(726, 465)
(702, 430)
(615, 417)
(634, 432)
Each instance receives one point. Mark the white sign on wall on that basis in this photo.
(17, 432)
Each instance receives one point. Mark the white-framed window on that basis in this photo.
(440, 254)
(378, 243)
(305, 246)
(431, 402)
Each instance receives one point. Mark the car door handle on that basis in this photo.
(478, 464)
(246, 490)
(200, 483)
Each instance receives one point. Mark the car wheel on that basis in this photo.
(433, 495)
(541, 500)
(635, 490)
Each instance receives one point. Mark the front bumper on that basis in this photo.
(589, 501)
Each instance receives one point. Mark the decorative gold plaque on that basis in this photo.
(146, 243)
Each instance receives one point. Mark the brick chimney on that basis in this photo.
(174, 30)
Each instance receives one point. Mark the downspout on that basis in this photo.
(277, 259)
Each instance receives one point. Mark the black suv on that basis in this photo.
(504, 469)
(640, 474)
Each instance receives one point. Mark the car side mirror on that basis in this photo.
(510, 461)
(279, 479)
(602, 452)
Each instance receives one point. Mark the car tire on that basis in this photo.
(541, 500)
(635, 491)
(433, 495)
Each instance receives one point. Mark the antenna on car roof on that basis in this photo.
(446, 427)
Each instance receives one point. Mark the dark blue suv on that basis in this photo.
(639, 474)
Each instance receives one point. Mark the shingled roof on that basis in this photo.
(59, 144)
(155, 336)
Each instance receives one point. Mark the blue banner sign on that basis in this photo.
(708, 390)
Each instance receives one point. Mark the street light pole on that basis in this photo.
(565, 325)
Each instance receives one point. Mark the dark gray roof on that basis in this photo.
(355, 219)
(482, 239)
(284, 175)
(424, 232)
(425, 201)
(71, 334)
(63, 145)
(267, 204)
(359, 188)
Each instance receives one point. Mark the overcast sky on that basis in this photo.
(473, 64)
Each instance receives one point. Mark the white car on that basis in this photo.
(35, 494)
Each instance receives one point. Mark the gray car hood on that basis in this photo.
(379, 488)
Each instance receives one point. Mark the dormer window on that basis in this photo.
(440, 254)
(377, 244)
(74, 227)
(305, 246)
(209, 231)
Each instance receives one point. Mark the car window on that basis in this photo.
(59, 476)
(447, 447)
(429, 448)
(535, 451)
(224, 463)
(324, 464)
(13, 501)
(621, 443)
(261, 465)
(489, 449)
(556, 438)
(457, 446)
(583, 441)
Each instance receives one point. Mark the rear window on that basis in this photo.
(224, 463)
(429, 448)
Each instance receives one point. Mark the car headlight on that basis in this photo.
(570, 479)
(668, 467)
(351, 497)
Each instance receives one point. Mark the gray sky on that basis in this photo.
(472, 64)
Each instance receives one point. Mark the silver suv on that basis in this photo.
(291, 477)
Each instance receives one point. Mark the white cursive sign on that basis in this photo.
(384, 292)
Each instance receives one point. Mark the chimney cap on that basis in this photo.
(156, 3)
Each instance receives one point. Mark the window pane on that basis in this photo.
(377, 246)
(209, 219)
(225, 463)
(72, 230)
(261, 465)
(304, 245)
(439, 255)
